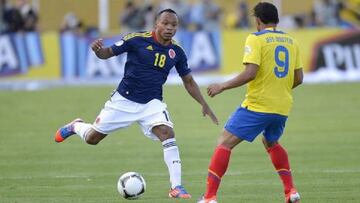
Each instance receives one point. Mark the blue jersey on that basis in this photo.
(147, 66)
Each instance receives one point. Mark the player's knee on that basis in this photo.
(268, 144)
(163, 132)
(228, 140)
(227, 144)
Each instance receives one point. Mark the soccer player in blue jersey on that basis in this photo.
(272, 69)
(138, 97)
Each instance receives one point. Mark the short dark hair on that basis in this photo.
(267, 13)
(168, 10)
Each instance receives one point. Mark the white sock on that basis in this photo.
(172, 160)
(81, 129)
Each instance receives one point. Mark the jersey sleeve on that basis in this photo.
(121, 46)
(252, 50)
(182, 66)
(298, 63)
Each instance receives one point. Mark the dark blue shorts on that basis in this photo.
(247, 125)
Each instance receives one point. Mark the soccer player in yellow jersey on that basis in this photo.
(272, 69)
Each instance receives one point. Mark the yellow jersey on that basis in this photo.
(277, 55)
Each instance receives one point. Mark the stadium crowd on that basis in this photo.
(207, 15)
(19, 17)
(195, 15)
(330, 13)
(202, 15)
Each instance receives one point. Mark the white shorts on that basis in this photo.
(120, 112)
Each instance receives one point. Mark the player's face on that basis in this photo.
(166, 25)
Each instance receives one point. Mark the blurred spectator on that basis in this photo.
(206, 15)
(287, 22)
(312, 19)
(351, 12)
(2, 22)
(132, 19)
(240, 17)
(326, 13)
(92, 31)
(181, 7)
(300, 21)
(71, 23)
(28, 14)
(149, 17)
(13, 22)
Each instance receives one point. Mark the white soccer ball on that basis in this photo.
(131, 185)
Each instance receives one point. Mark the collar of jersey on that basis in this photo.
(271, 29)
(268, 30)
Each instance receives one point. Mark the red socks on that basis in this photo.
(218, 165)
(279, 158)
(220, 161)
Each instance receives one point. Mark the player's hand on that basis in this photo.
(214, 89)
(207, 111)
(97, 45)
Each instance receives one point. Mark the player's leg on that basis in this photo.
(88, 133)
(84, 130)
(219, 164)
(242, 125)
(172, 160)
(113, 116)
(157, 125)
(171, 153)
(279, 156)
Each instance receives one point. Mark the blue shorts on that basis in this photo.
(247, 125)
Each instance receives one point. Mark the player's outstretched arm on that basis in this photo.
(298, 77)
(194, 90)
(98, 47)
(244, 77)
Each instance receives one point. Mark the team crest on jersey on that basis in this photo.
(172, 53)
(247, 49)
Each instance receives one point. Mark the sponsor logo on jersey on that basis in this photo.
(172, 53)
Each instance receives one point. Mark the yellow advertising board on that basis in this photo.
(44, 56)
(30, 55)
(50, 69)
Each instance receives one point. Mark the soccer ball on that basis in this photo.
(131, 185)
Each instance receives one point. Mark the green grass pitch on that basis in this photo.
(322, 138)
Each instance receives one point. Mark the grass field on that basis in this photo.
(322, 138)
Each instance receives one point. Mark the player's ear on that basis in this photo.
(155, 23)
(257, 21)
